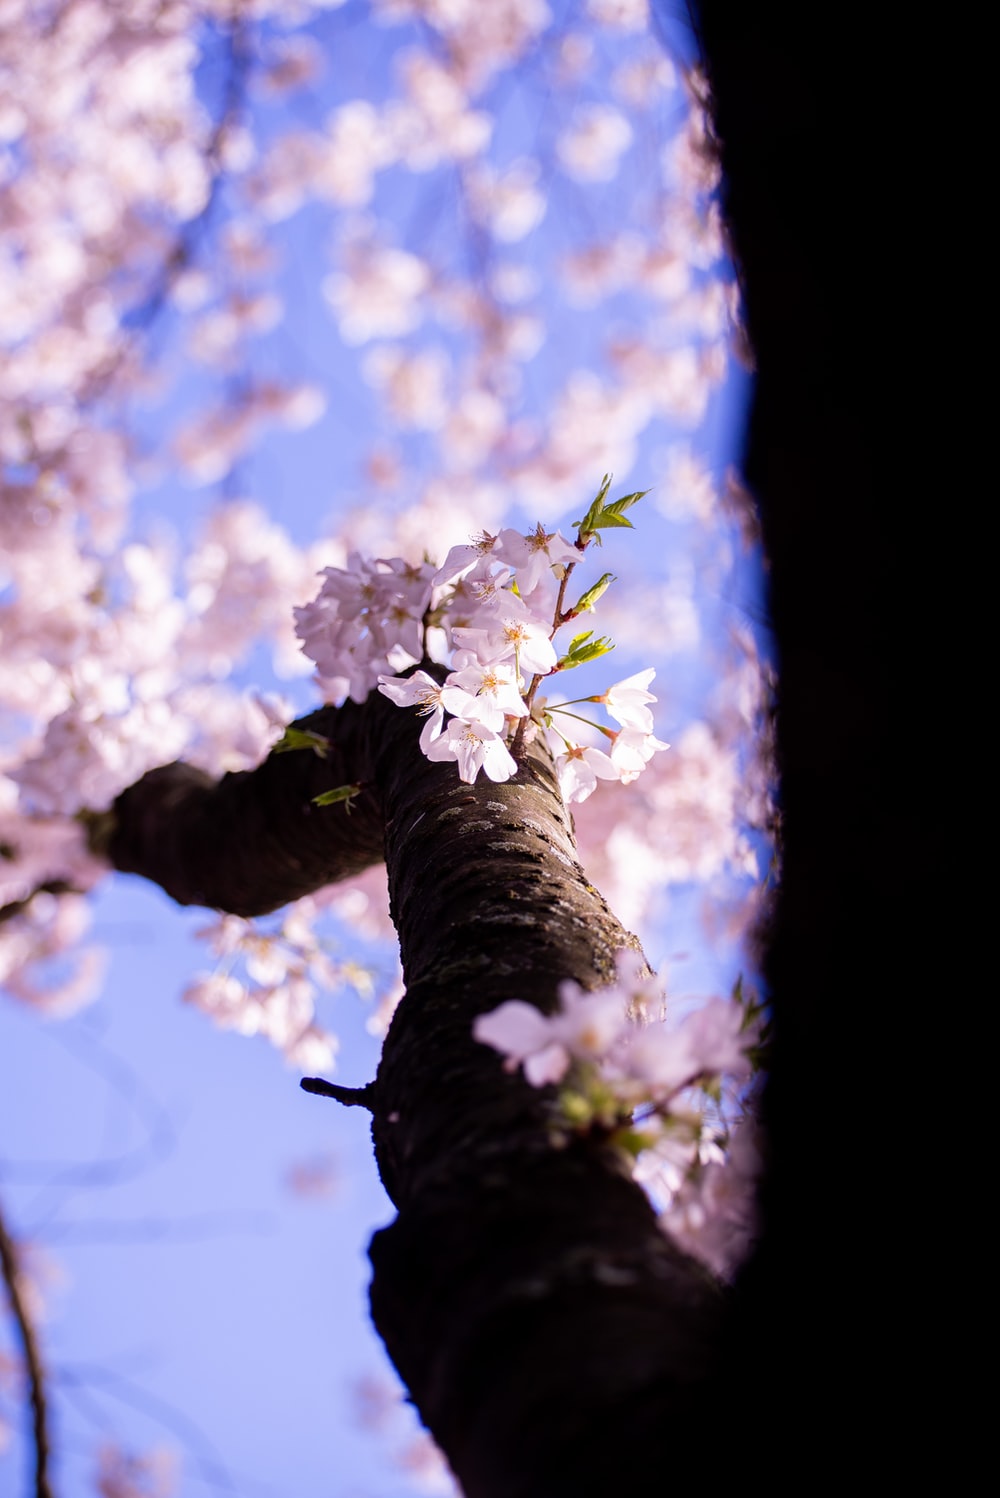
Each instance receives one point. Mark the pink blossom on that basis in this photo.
(484, 694)
(708, 1042)
(366, 617)
(476, 748)
(579, 770)
(626, 700)
(486, 584)
(713, 1215)
(482, 40)
(420, 691)
(312, 1050)
(226, 1000)
(508, 203)
(524, 1036)
(124, 1474)
(632, 750)
(461, 558)
(513, 631)
(590, 149)
(413, 385)
(378, 293)
(639, 82)
(624, 15)
(475, 425)
(434, 123)
(534, 555)
(586, 1027)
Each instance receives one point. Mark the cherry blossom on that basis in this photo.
(508, 204)
(713, 1213)
(476, 748)
(590, 148)
(420, 691)
(434, 122)
(628, 15)
(579, 770)
(532, 555)
(414, 387)
(123, 1474)
(709, 1041)
(616, 1061)
(514, 632)
(585, 1028)
(626, 700)
(484, 694)
(378, 293)
(462, 558)
(632, 750)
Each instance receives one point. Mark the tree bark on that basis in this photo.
(553, 1340)
(254, 840)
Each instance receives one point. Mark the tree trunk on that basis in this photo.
(553, 1340)
(818, 122)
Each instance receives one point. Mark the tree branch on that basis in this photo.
(255, 840)
(32, 1360)
(351, 1097)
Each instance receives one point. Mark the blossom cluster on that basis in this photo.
(366, 618)
(488, 611)
(139, 200)
(265, 983)
(654, 1088)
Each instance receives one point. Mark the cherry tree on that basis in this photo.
(528, 299)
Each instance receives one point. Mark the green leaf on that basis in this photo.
(633, 1141)
(578, 655)
(342, 793)
(586, 603)
(300, 738)
(617, 506)
(575, 1108)
(606, 520)
(587, 524)
(603, 516)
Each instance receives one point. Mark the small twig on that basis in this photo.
(182, 252)
(518, 743)
(558, 620)
(351, 1097)
(32, 1361)
(80, 1379)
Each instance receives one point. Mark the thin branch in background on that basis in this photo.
(62, 1177)
(199, 1228)
(79, 1381)
(144, 315)
(32, 1359)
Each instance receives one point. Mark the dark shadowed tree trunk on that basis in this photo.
(825, 193)
(552, 1339)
